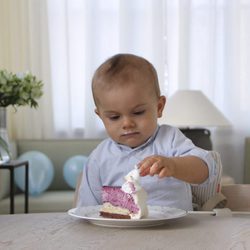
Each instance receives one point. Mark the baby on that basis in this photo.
(128, 101)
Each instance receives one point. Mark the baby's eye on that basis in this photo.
(114, 118)
(139, 112)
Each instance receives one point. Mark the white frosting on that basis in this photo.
(133, 187)
(132, 183)
(133, 175)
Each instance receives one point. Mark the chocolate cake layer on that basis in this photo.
(114, 216)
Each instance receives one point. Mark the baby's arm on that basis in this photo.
(190, 169)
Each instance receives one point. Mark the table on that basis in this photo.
(11, 165)
(61, 231)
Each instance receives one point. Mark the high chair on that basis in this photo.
(209, 197)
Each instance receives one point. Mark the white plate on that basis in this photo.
(157, 216)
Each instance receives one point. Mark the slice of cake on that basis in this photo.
(126, 202)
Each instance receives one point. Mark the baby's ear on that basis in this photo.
(161, 105)
(97, 112)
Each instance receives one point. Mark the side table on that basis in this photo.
(11, 165)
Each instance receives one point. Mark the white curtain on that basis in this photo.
(208, 49)
(24, 47)
(82, 35)
(194, 44)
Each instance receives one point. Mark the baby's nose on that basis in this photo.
(128, 122)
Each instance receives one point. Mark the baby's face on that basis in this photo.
(130, 112)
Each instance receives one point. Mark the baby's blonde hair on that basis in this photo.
(123, 66)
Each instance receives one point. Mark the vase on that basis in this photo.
(4, 140)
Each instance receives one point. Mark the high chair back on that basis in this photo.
(209, 197)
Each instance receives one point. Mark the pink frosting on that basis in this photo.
(117, 197)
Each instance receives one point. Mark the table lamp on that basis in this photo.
(193, 112)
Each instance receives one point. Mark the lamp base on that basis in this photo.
(200, 137)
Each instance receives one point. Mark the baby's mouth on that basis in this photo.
(130, 133)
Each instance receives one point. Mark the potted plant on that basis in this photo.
(15, 90)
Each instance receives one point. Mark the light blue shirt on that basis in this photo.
(110, 162)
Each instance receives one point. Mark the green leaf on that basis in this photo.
(19, 89)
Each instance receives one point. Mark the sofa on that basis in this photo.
(59, 197)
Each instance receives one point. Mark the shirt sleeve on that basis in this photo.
(212, 168)
(183, 146)
(90, 188)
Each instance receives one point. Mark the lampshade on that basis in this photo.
(191, 108)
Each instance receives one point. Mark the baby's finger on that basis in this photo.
(144, 172)
(155, 169)
(164, 172)
(144, 166)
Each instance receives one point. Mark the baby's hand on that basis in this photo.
(156, 164)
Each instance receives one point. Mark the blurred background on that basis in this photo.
(194, 45)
